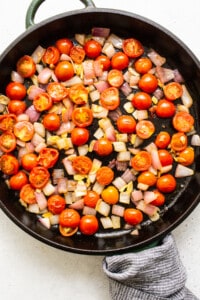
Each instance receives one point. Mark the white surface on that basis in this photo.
(29, 268)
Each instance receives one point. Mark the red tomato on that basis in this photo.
(7, 141)
(132, 47)
(162, 139)
(24, 130)
(143, 65)
(159, 200)
(18, 180)
(82, 116)
(16, 107)
(165, 157)
(64, 70)
(126, 124)
(9, 164)
(56, 204)
(104, 61)
(48, 157)
(109, 98)
(91, 198)
(141, 161)
(77, 54)
(179, 141)
(165, 109)
(26, 66)
(69, 217)
(64, 45)
(78, 93)
(82, 164)
(133, 216)
(147, 177)
(119, 61)
(42, 102)
(51, 121)
(57, 91)
(105, 175)
(38, 177)
(186, 157)
(79, 136)
(103, 147)
(166, 183)
(88, 224)
(148, 83)
(145, 129)
(29, 161)
(51, 55)
(115, 78)
(15, 91)
(27, 194)
(183, 121)
(173, 91)
(141, 100)
(92, 48)
(7, 122)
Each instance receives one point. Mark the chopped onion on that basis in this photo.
(49, 189)
(39, 129)
(16, 77)
(149, 196)
(103, 208)
(118, 210)
(80, 38)
(33, 208)
(41, 200)
(32, 113)
(182, 171)
(115, 40)
(108, 49)
(45, 222)
(148, 209)
(116, 222)
(79, 204)
(44, 76)
(62, 186)
(195, 140)
(186, 97)
(119, 183)
(37, 54)
(89, 211)
(124, 198)
(101, 31)
(157, 59)
(106, 222)
(123, 156)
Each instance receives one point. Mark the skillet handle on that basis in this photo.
(35, 4)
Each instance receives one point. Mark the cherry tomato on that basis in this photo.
(82, 116)
(56, 204)
(173, 91)
(27, 194)
(165, 109)
(42, 102)
(67, 231)
(141, 161)
(103, 147)
(24, 130)
(141, 100)
(165, 157)
(78, 93)
(159, 200)
(79, 136)
(115, 78)
(92, 48)
(132, 47)
(89, 224)
(15, 91)
(126, 124)
(38, 177)
(119, 61)
(147, 177)
(26, 66)
(91, 198)
(64, 70)
(166, 183)
(64, 45)
(162, 139)
(110, 195)
(57, 91)
(18, 180)
(148, 83)
(133, 216)
(16, 107)
(7, 141)
(143, 65)
(7, 122)
(48, 157)
(179, 141)
(77, 54)
(186, 157)
(29, 161)
(145, 129)
(9, 164)
(51, 56)
(82, 164)
(51, 121)
(105, 175)
(104, 61)
(69, 217)
(109, 98)
(183, 121)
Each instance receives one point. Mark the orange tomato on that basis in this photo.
(166, 183)
(88, 224)
(173, 91)
(82, 164)
(115, 78)
(183, 121)
(82, 116)
(143, 65)
(56, 204)
(69, 217)
(105, 175)
(51, 121)
(147, 177)
(38, 177)
(29, 161)
(18, 180)
(186, 157)
(110, 195)
(26, 66)
(27, 194)
(103, 147)
(133, 216)
(78, 93)
(91, 198)
(179, 141)
(145, 129)
(141, 161)
(162, 139)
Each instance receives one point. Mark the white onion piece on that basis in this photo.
(115, 40)
(80, 38)
(186, 97)
(108, 49)
(49, 189)
(33, 91)
(136, 196)
(68, 166)
(45, 222)
(62, 185)
(41, 200)
(101, 85)
(195, 140)
(116, 222)
(155, 159)
(103, 208)
(44, 76)
(123, 156)
(148, 209)
(106, 222)
(149, 196)
(32, 113)
(16, 77)
(37, 139)
(182, 171)
(119, 183)
(33, 208)
(39, 129)
(118, 210)
(74, 80)
(89, 211)
(40, 146)
(94, 95)
(54, 219)
(124, 198)
(37, 54)
(23, 117)
(156, 58)
(79, 204)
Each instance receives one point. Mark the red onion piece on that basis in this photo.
(101, 31)
(32, 113)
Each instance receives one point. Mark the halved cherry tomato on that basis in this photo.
(42, 102)
(132, 47)
(143, 65)
(105, 175)
(78, 93)
(119, 61)
(160, 198)
(16, 107)
(92, 48)
(51, 55)
(64, 45)
(179, 141)
(126, 124)
(183, 121)
(141, 100)
(69, 217)
(145, 129)
(64, 70)
(51, 121)
(24, 130)
(91, 198)
(27, 194)
(67, 231)
(133, 216)
(7, 141)
(26, 66)
(186, 157)
(148, 83)
(141, 161)
(15, 91)
(109, 98)
(115, 78)
(166, 183)
(29, 161)
(165, 157)
(38, 177)
(103, 147)
(82, 116)
(9, 164)
(18, 180)
(165, 109)
(147, 177)
(7, 122)
(56, 204)
(57, 91)
(48, 157)
(110, 195)
(79, 136)
(82, 164)
(77, 54)
(173, 91)
(89, 224)
(104, 61)
(162, 139)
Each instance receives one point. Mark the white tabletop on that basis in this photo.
(29, 268)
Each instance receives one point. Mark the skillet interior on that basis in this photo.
(152, 36)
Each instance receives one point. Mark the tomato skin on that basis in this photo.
(15, 91)
(145, 129)
(133, 216)
(183, 121)
(165, 109)
(162, 139)
(48, 157)
(51, 55)
(105, 175)
(141, 161)
(141, 100)
(79, 136)
(115, 78)
(165, 157)
(109, 98)
(16, 107)
(92, 48)
(132, 48)
(126, 124)
(51, 121)
(104, 61)
(38, 177)
(29, 161)
(18, 180)
(119, 61)
(89, 225)
(64, 45)
(82, 116)
(103, 147)
(186, 157)
(42, 102)
(146, 177)
(91, 198)
(77, 54)
(56, 204)
(82, 164)
(64, 70)
(27, 194)
(7, 142)
(159, 200)
(69, 217)
(166, 183)
(148, 83)
(24, 130)
(7, 122)
(67, 231)
(26, 66)
(110, 195)
(179, 141)
(143, 65)
(173, 91)
(57, 91)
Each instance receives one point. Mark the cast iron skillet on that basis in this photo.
(152, 35)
